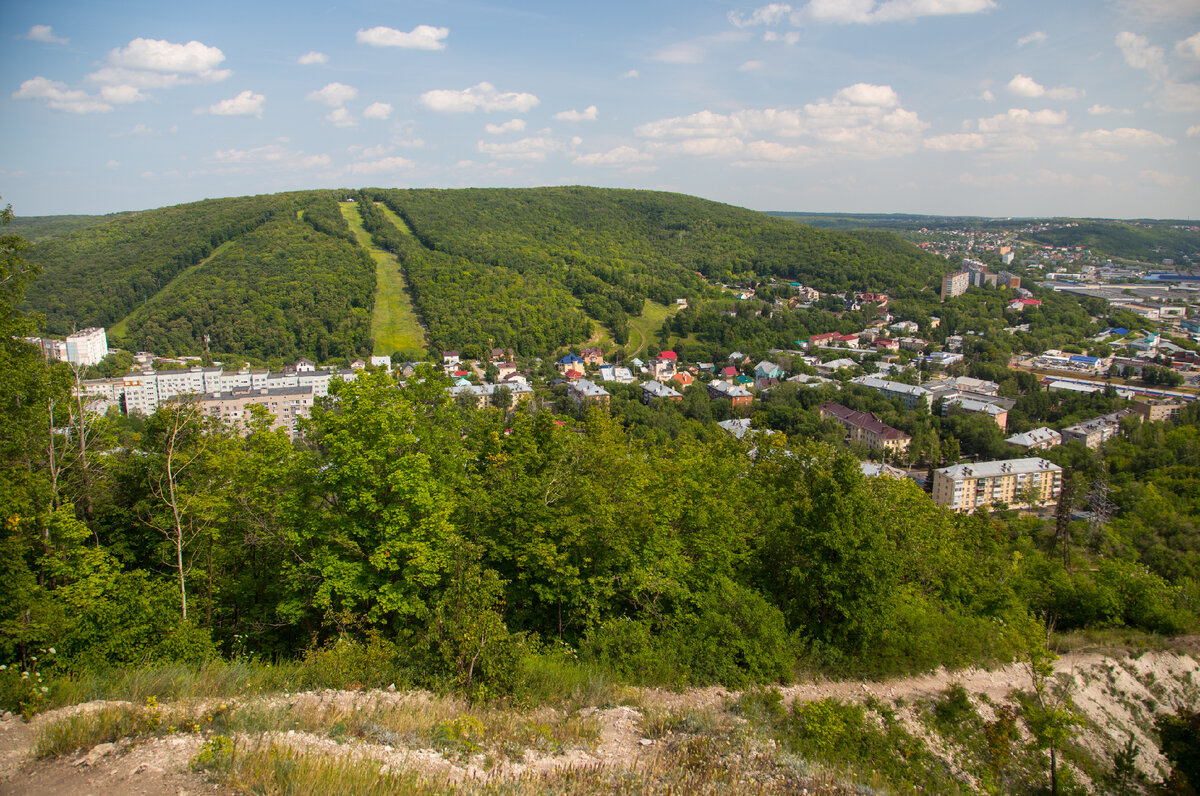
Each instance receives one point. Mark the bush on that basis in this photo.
(347, 662)
(736, 638)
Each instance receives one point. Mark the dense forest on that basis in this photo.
(282, 291)
(531, 269)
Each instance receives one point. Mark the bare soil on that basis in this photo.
(1119, 693)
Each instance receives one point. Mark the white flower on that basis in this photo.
(2, 667)
(52, 652)
(45, 689)
(24, 675)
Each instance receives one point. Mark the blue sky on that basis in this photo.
(981, 107)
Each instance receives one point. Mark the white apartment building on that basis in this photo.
(87, 347)
(966, 487)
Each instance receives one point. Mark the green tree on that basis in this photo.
(376, 538)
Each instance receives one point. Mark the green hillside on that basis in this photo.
(534, 269)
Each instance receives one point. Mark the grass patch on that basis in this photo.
(644, 327)
(394, 323)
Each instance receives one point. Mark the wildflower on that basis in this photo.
(3, 667)
(33, 657)
(51, 651)
(45, 689)
(24, 675)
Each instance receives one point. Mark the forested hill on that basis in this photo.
(534, 269)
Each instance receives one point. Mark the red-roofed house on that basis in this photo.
(818, 340)
(664, 365)
(684, 378)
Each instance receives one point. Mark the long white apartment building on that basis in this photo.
(144, 391)
(966, 487)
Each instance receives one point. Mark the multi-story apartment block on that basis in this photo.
(955, 284)
(87, 347)
(1095, 432)
(1152, 411)
(1020, 483)
(286, 405)
(867, 428)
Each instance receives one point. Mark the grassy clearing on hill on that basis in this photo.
(643, 328)
(394, 323)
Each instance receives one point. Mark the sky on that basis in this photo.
(950, 107)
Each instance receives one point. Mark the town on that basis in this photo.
(919, 375)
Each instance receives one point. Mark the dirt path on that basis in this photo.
(1118, 693)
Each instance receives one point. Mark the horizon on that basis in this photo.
(960, 108)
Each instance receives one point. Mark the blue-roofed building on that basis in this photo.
(570, 362)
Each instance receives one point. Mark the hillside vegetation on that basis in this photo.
(532, 269)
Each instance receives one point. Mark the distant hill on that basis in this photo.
(1145, 240)
(39, 228)
(535, 269)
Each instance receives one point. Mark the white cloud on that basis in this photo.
(789, 38)
(1020, 118)
(1189, 47)
(381, 166)
(1104, 110)
(368, 152)
(687, 52)
(246, 103)
(511, 126)
(378, 110)
(1162, 178)
(868, 11)
(482, 96)
(1025, 86)
(867, 94)
(340, 117)
(859, 122)
(44, 33)
(771, 14)
(156, 63)
(422, 37)
(313, 58)
(632, 73)
(1140, 54)
(765, 153)
(335, 95)
(56, 95)
(1125, 136)
(620, 156)
(752, 66)
(271, 155)
(589, 114)
(121, 95)
(158, 55)
(987, 96)
(1178, 97)
(1193, 130)
(531, 149)
(1037, 37)
(956, 142)
(112, 164)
